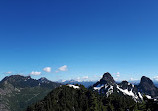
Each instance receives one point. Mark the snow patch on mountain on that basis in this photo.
(98, 87)
(73, 86)
(110, 91)
(149, 97)
(130, 93)
(140, 95)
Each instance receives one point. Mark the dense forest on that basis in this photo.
(66, 98)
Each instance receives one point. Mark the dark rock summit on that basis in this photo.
(106, 79)
(126, 85)
(146, 81)
(147, 87)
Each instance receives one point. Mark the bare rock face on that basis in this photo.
(147, 87)
(126, 85)
(106, 79)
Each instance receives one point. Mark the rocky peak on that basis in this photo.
(126, 85)
(147, 86)
(43, 80)
(146, 81)
(106, 79)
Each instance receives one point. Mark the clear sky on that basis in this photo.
(79, 39)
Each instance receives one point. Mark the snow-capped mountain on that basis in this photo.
(107, 86)
(129, 89)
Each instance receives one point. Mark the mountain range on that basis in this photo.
(107, 85)
(104, 95)
(18, 92)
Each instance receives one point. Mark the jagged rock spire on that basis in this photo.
(106, 79)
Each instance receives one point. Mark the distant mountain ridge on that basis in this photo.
(24, 90)
(85, 83)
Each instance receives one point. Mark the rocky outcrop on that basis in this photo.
(147, 87)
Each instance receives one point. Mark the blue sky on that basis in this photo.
(79, 39)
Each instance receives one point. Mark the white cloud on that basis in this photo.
(63, 68)
(85, 77)
(8, 72)
(35, 73)
(47, 69)
(155, 78)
